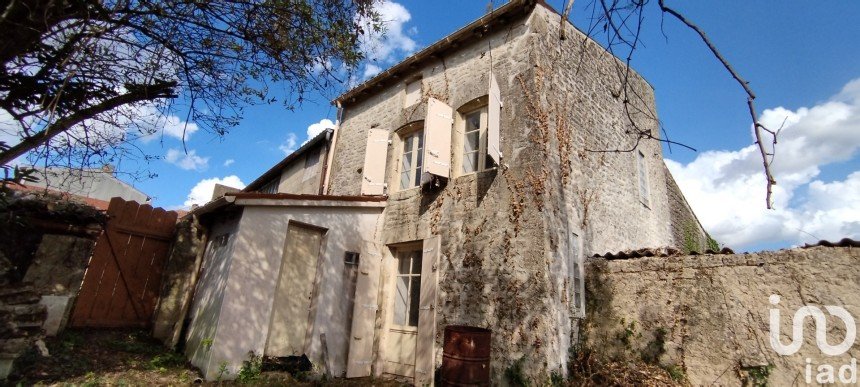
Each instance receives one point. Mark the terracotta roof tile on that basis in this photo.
(658, 252)
(845, 242)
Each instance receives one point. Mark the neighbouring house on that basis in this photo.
(97, 185)
(462, 186)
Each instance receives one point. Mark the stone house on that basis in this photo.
(462, 186)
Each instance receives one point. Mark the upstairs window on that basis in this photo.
(643, 178)
(475, 141)
(411, 159)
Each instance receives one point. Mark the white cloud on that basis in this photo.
(202, 191)
(229, 162)
(317, 128)
(370, 70)
(727, 188)
(187, 161)
(289, 146)
(388, 47)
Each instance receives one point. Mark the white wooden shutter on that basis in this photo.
(364, 312)
(373, 180)
(425, 346)
(437, 138)
(494, 116)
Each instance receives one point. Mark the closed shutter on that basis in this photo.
(494, 116)
(437, 138)
(373, 181)
(364, 311)
(425, 347)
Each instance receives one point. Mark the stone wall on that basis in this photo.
(687, 232)
(708, 315)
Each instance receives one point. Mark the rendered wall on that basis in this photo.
(713, 311)
(256, 261)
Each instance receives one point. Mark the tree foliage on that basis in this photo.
(80, 79)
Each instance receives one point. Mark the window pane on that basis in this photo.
(404, 180)
(407, 144)
(400, 300)
(420, 135)
(414, 297)
(473, 121)
(403, 264)
(407, 161)
(472, 142)
(416, 263)
(470, 162)
(418, 167)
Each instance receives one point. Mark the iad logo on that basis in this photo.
(848, 372)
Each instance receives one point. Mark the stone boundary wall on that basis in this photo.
(709, 315)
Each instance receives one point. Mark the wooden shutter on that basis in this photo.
(373, 181)
(425, 347)
(364, 311)
(494, 116)
(437, 138)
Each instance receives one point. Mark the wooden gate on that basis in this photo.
(123, 278)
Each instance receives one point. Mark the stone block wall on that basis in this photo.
(709, 315)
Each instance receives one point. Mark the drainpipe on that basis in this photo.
(332, 147)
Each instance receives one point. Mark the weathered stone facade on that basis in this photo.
(708, 315)
(506, 232)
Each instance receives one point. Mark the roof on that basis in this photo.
(476, 29)
(289, 200)
(844, 242)
(658, 252)
(276, 170)
(98, 204)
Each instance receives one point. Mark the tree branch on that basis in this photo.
(757, 126)
(164, 89)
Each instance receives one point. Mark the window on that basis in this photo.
(411, 159)
(351, 258)
(407, 288)
(413, 93)
(643, 178)
(475, 142)
(576, 284)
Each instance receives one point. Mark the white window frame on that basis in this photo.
(482, 111)
(416, 154)
(576, 271)
(642, 172)
(410, 254)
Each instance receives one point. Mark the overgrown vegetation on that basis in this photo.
(515, 374)
(755, 376)
(251, 368)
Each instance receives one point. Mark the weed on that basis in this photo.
(556, 379)
(207, 342)
(713, 245)
(251, 368)
(166, 360)
(656, 347)
(755, 376)
(515, 375)
(676, 372)
(222, 371)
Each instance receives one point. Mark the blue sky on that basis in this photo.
(797, 56)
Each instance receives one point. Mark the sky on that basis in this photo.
(800, 58)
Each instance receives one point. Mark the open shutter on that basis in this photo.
(494, 116)
(425, 346)
(373, 181)
(437, 139)
(364, 311)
